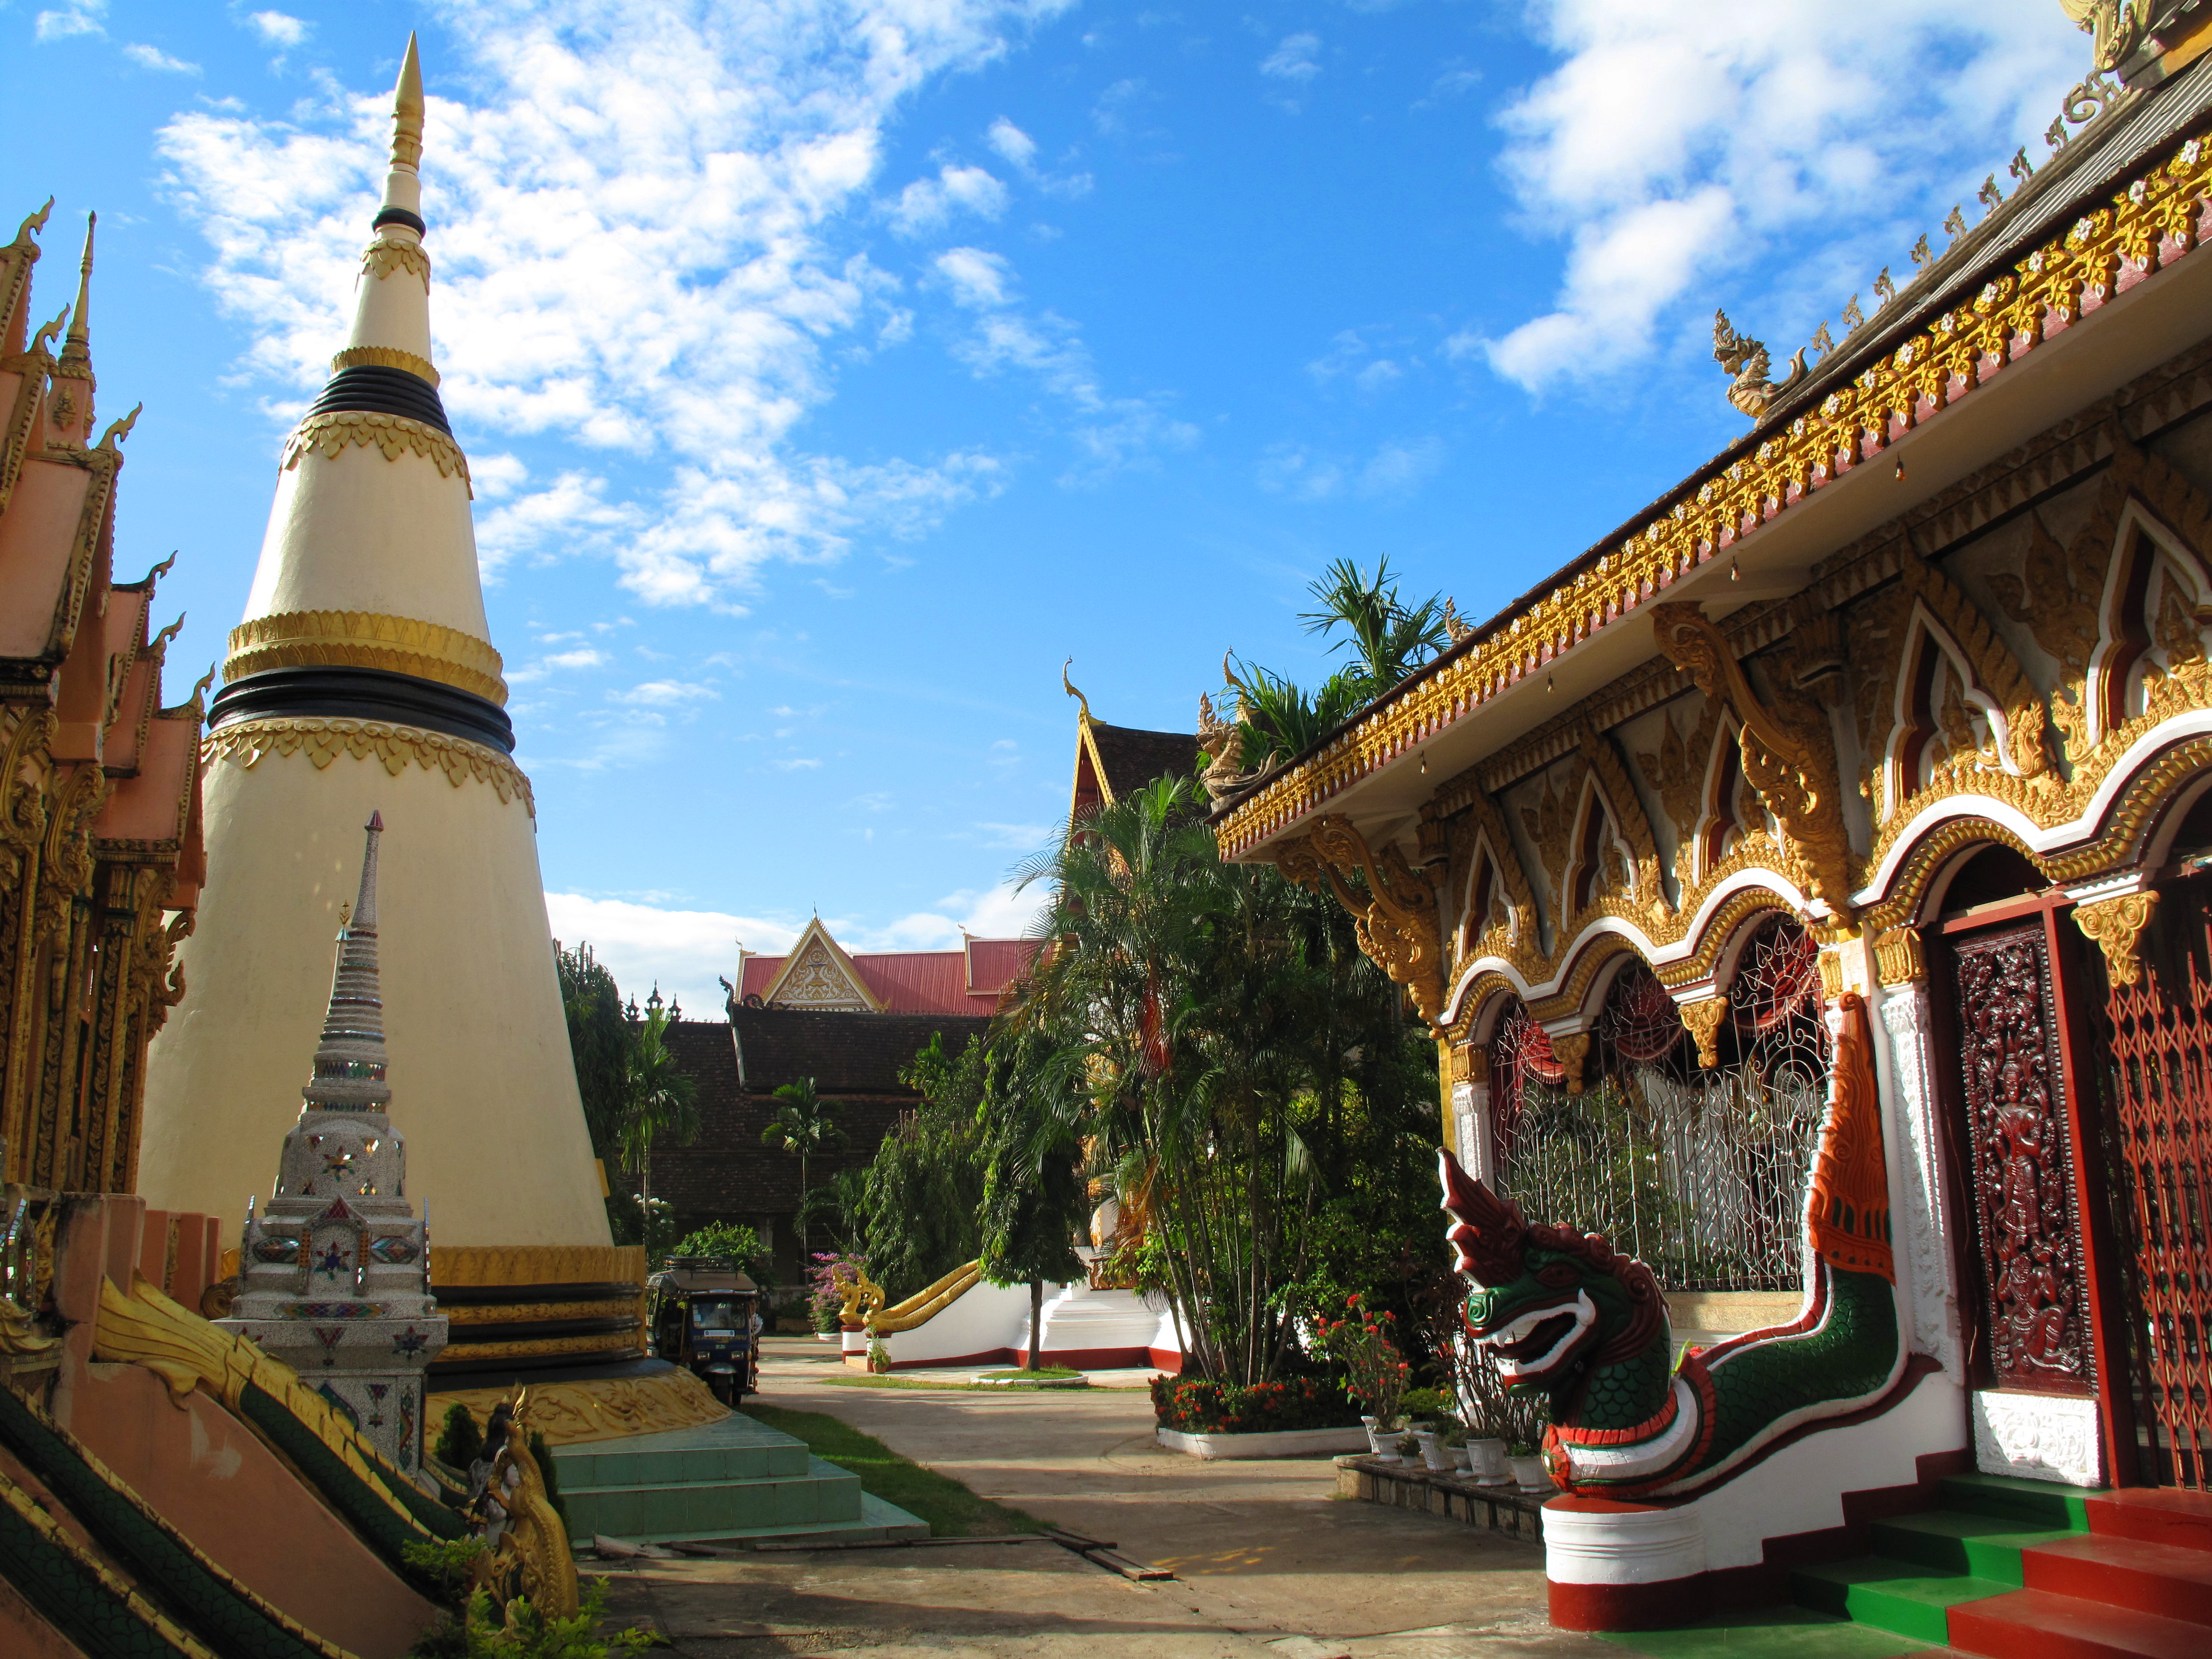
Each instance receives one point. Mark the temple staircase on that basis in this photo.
(734, 1479)
(2011, 1569)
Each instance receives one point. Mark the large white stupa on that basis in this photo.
(363, 676)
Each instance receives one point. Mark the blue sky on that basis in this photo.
(832, 372)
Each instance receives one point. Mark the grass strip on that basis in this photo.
(950, 1509)
(893, 1380)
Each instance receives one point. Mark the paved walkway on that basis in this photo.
(1269, 1562)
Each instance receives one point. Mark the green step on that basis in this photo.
(1768, 1633)
(1902, 1596)
(1961, 1542)
(736, 1477)
(2039, 1502)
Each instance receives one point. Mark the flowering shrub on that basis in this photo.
(1194, 1404)
(1361, 1342)
(826, 1283)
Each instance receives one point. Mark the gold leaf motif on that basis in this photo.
(330, 433)
(323, 741)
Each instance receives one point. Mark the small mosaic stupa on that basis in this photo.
(337, 1271)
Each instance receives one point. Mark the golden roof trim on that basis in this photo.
(366, 639)
(385, 357)
(327, 434)
(2146, 225)
(323, 740)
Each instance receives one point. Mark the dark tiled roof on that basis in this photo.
(854, 1059)
(1133, 759)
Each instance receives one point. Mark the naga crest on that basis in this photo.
(1545, 1303)
(1747, 360)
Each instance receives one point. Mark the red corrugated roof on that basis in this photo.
(922, 982)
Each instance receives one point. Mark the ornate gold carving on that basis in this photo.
(323, 741)
(531, 1559)
(385, 357)
(1997, 672)
(366, 639)
(1629, 818)
(2115, 28)
(924, 1304)
(2152, 219)
(576, 1414)
(1787, 755)
(1462, 1062)
(505, 1313)
(1901, 902)
(1395, 918)
(384, 256)
(1519, 924)
(1748, 362)
(1677, 774)
(329, 433)
(1551, 823)
(1833, 980)
(1900, 958)
(1704, 1020)
(2065, 584)
(1572, 1051)
(526, 1265)
(2116, 925)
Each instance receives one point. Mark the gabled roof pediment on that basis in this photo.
(817, 974)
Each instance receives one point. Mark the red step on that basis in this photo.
(2173, 1584)
(2156, 1515)
(2033, 1624)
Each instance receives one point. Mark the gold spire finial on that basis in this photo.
(1068, 686)
(77, 349)
(407, 111)
(33, 224)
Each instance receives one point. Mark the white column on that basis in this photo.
(1471, 1124)
(1921, 1227)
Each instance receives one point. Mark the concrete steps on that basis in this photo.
(735, 1479)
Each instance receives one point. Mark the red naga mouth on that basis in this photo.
(1540, 1340)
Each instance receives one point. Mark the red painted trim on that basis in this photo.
(1662, 1606)
(2153, 1515)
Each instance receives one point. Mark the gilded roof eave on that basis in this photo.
(1907, 376)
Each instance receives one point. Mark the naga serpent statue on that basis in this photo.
(1562, 1313)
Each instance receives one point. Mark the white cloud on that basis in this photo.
(278, 28)
(647, 228)
(667, 694)
(998, 913)
(1396, 469)
(977, 279)
(802, 764)
(1675, 142)
(1295, 60)
(1011, 143)
(559, 662)
(1016, 837)
(684, 949)
(155, 59)
(78, 17)
(927, 204)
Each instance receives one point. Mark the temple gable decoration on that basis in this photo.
(818, 975)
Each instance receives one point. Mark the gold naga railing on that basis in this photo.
(864, 1301)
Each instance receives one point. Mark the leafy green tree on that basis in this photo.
(598, 1040)
(922, 1193)
(735, 1242)
(806, 1126)
(1243, 1068)
(1033, 1185)
(659, 1101)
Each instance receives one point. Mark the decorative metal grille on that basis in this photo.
(2159, 1138)
(1700, 1172)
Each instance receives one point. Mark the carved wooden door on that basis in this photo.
(2158, 1068)
(2031, 1296)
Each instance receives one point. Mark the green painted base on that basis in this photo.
(733, 1479)
(1770, 1633)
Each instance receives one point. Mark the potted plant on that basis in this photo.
(1434, 1455)
(1375, 1374)
(1454, 1446)
(879, 1355)
(1528, 1467)
(1409, 1447)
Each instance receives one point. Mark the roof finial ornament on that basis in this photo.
(1069, 687)
(77, 347)
(33, 224)
(1746, 359)
(2116, 28)
(403, 184)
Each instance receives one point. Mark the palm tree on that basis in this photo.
(658, 1100)
(803, 1124)
(1388, 638)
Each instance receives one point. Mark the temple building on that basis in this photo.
(1860, 788)
(818, 974)
(363, 676)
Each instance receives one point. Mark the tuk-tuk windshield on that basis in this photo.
(713, 1316)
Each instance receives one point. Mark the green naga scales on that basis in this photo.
(1562, 1313)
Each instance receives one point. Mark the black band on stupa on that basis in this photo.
(363, 694)
(398, 215)
(384, 392)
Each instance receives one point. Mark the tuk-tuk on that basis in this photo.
(701, 1311)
